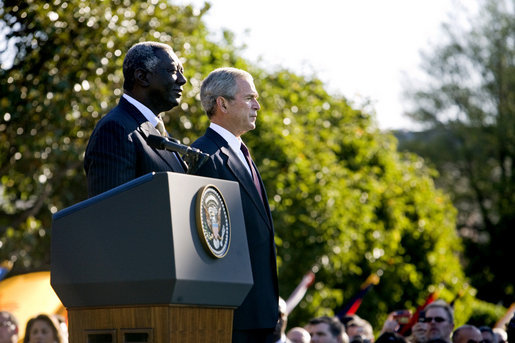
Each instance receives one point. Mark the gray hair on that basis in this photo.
(456, 334)
(220, 82)
(141, 56)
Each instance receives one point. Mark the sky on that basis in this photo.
(364, 50)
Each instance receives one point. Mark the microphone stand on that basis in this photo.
(193, 157)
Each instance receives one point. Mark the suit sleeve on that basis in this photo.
(110, 158)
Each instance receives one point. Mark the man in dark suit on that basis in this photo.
(117, 151)
(229, 98)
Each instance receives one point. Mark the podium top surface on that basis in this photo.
(119, 189)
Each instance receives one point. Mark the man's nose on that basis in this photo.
(181, 80)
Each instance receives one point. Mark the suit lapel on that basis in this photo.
(236, 167)
(145, 128)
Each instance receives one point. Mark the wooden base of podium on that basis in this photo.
(150, 324)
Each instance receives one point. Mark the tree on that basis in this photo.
(468, 106)
(345, 203)
(66, 73)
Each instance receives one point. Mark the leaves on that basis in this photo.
(469, 105)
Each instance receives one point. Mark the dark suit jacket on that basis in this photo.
(260, 307)
(117, 151)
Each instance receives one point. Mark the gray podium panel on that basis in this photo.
(138, 244)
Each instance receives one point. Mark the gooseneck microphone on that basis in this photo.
(193, 157)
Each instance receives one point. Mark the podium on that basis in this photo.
(134, 264)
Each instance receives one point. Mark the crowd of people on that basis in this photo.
(42, 328)
(435, 324)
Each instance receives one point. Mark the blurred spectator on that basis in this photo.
(43, 329)
(63, 325)
(358, 329)
(418, 332)
(298, 335)
(396, 320)
(325, 330)
(501, 335)
(467, 334)
(391, 337)
(391, 326)
(279, 335)
(439, 318)
(488, 334)
(510, 330)
(8, 328)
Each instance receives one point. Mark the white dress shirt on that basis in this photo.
(234, 142)
(151, 117)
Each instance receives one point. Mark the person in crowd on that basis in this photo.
(391, 337)
(229, 97)
(501, 335)
(418, 333)
(8, 327)
(325, 330)
(439, 318)
(488, 334)
(466, 334)
(63, 326)
(395, 321)
(117, 150)
(280, 329)
(359, 330)
(510, 330)
(298, 335)
(43, 329)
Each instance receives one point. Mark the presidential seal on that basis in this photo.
(213, 225)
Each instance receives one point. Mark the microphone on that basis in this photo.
(193, 157)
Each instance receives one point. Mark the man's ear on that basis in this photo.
(141, 77)
(222, 104)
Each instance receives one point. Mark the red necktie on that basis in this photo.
(255, 177)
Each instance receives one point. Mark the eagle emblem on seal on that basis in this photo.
(213, 223)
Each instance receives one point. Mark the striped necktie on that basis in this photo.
(177, 165)
(255, 177)
(161, 126)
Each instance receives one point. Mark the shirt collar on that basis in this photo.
(149, 115)
(233, 141)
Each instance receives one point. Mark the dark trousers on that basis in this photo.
(252, 336)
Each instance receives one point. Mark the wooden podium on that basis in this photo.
(131, 265)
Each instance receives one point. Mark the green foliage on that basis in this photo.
(479, 313)
(66, 74)
(468, 105)
(345, 203)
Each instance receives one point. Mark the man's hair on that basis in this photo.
(141, 56)
(456, 334)
(220, 82)
(335, 326)
(485, 328)
(443, 305)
